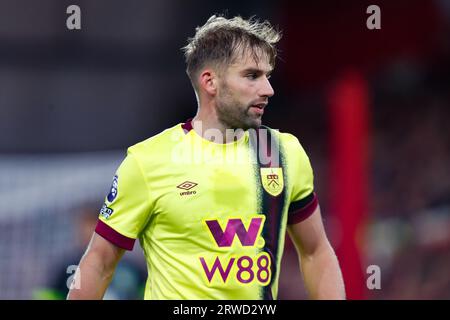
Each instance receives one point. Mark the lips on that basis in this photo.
(258, 108)
(259, 104)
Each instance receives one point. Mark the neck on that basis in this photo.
(207, 125)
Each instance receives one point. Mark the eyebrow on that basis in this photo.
(256, 70)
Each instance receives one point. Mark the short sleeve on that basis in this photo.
(127, 206)
(303, 200)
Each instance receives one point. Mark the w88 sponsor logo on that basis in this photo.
(244, 268)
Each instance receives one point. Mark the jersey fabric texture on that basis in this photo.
(211, 218)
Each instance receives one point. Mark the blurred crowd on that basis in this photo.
(408, 220)
(410, 198)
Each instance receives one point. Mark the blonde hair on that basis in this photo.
(220, 39)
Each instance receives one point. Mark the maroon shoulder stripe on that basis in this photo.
(303, 213)
(113, 236)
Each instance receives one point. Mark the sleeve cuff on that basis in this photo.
(302, 209)
(113, 236)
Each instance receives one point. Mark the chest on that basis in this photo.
(190, 194)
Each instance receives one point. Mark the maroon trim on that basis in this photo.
(187, 126)
(304, 213)
(113, 236)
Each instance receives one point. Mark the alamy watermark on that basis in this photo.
(374, 20)
(374, 280)
(74, 280)
(73, 21)
(215, 147)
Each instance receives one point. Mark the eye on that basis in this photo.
(252, 76)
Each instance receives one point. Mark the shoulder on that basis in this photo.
(157, 144)
(288, 141)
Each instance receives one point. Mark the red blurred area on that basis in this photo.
(349, 113)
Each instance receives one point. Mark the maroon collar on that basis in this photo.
(187, 126)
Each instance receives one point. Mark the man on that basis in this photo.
(211, 199)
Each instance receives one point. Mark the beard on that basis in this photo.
(235, 114)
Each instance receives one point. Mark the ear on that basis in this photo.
(208, 81)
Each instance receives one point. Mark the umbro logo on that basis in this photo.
(187, 185)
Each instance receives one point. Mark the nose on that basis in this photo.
(266, 89)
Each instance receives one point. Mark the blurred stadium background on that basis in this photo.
(370, 107)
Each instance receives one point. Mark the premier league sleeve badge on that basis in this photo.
(114, 189)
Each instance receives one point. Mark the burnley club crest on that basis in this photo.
(272, 180)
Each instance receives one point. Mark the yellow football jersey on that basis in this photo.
(211, 218)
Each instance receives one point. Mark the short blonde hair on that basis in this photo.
(220, 39)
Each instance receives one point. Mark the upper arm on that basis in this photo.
(102, 255)
(95, 270)
(108, 252)
(309, 235)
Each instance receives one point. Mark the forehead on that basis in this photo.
(248, 59)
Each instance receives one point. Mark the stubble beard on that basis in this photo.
(233, 114)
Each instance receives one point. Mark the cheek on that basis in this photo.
(245, 91)
(242, 86)
(241, 91)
